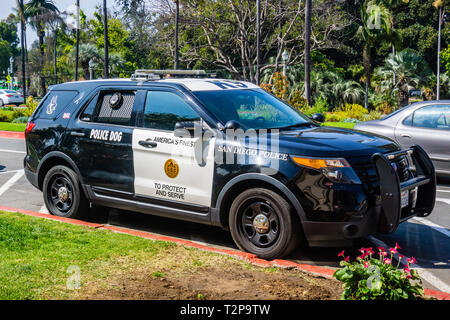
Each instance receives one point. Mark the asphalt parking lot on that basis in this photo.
(428, 239)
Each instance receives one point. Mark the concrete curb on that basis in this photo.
(248, 257)
(12, 135)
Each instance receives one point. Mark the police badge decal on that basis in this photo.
(171, 168)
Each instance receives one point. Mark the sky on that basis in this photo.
(88, 6)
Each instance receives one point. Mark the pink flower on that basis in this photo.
(362, 250)
(406, 269)
(387, 261)
(397, 246)
(411, 260)
(381, 249)
(341, 254)
(346, 259)
(384, 253)
(393, 250)
(366, 264)
(401, 256)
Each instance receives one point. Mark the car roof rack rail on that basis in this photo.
(148, 75)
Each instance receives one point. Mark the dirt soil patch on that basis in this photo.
(222, 280)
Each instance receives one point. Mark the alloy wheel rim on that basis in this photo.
(60, 193)
(260, 223)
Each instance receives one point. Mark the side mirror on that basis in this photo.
(232, 124)
(318, 117)
(184, 129)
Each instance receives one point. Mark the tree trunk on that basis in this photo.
(403, 98)
(366, 63)
(307, 51)
(41, 36)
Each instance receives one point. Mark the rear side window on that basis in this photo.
(55, 102)
(112, 107)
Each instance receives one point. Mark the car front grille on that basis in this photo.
(368, 175)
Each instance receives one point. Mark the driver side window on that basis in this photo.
(163, 109)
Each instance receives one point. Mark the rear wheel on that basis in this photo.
(261, 223)
(62, 193)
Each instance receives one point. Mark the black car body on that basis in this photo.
(126, 144)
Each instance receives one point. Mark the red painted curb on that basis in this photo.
(248, 257)
(12, 135)
(437, 294)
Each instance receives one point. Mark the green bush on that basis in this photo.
(6, 116)
(348, 111)
(20, 120)
(371, 278)
(320, 106)
(17, 113)
(31, 106)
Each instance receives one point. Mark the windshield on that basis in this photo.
(252, 108)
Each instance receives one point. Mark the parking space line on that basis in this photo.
(12, 151)
(44, 210)
(11, 181)
(10, 171)
(433, 225)
(447, 201)
(427, 276)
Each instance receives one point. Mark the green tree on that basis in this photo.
(38, 13)
(376, 29)
(411, 72)
(8, 42)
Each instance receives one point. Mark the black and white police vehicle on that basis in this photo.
(183, 145)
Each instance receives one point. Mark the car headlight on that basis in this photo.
(338, 170)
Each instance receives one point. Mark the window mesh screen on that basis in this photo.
(121, 115)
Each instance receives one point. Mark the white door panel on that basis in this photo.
(173, 169)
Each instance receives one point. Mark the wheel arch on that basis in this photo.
(219, 214)
(55, 158)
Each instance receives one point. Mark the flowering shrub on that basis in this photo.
(373, 277)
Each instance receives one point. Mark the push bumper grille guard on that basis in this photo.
(391, 188)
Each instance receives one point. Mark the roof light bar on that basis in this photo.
(144, 74)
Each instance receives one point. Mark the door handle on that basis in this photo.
(405, 135)
(77, 134)
(148, 144)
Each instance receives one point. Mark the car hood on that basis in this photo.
(332, 142)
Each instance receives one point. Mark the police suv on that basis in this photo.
(183, 145)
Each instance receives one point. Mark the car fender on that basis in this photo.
(58, 154)
(215, 212)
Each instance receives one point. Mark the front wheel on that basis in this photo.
(261, 223)
(62, 193)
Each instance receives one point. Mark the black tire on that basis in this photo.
(62, 193)
(261, 222)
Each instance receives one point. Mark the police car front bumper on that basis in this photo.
(396, 202)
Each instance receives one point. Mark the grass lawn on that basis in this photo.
(40, 258)
(347, 125)
(8, 126)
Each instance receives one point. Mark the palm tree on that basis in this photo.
(376, 28)
(411, 71)
(38, 13)
(87, 51)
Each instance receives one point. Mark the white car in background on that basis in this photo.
(10, 97)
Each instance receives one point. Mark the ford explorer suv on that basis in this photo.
(182, 145)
